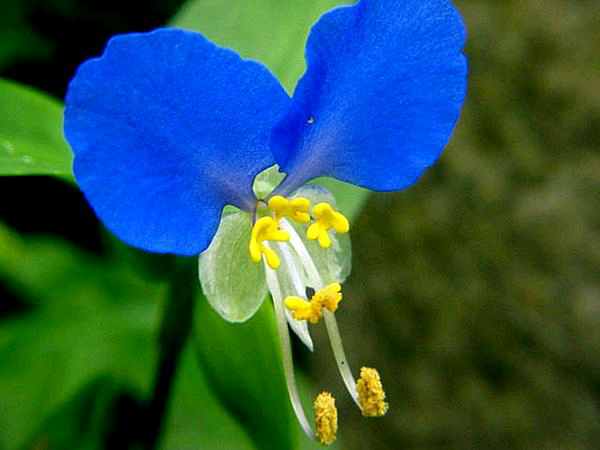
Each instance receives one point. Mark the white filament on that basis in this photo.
(286, 349)
(330, 323)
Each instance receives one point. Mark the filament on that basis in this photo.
(286, 349)
(330, 323)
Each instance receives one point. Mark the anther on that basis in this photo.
(327, 298)
(370, 393)
(325, 418)
(326, 218)
(303, 309)
(296, 208)
(266, 228)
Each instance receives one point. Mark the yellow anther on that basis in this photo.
(329, 297)
(303, 309)
(312, 311)
(296, 208)
(325, 418)
(326, 218)
(266, 229)
(370, 393)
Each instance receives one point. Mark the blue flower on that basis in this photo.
(168, 128)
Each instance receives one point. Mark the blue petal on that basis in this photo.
(167, 128)
(382, 92)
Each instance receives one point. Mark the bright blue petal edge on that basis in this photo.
(167, 128)
(384, 86)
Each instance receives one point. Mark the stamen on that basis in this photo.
(312, 311)
(335, 339)
(332, 329)
(286, 350)
(304, 310)
(293, 274)
(266, 228)
(329, 297)
(325, 418)
(370, 393)
(326, 218)
(296, 208)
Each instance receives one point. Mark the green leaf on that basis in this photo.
(89, 318)
(83, 421)
(269, 31)
(243, 365)
(196, 418)
(234, 285)
(274, 33)
(31, 138)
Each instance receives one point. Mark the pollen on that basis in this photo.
(266, 229)
(325, 418)
(312, 310)
(303, 309)
(329, 297)
(370, 393)
(326, 218)
(296, 208)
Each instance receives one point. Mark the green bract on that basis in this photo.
(234, 285)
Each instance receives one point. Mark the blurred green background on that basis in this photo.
(476, 293)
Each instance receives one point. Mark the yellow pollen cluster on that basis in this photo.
(296, 208)
(312, 311)
(370, 393)
(266, 229)
(326, 218)
(325, 418)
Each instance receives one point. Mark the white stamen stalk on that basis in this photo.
(294, 271)
(286, 349)
(330, 323)
(299, 289)
(340, 356)
(302, 252)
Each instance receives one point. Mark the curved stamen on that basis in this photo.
(286, 349)
(330, 323)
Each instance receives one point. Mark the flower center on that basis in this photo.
(266, 228)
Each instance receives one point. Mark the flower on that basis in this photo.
(168, 128)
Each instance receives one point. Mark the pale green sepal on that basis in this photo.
(290, 275)
(234, 285)
(334, 263)
(266, 181)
